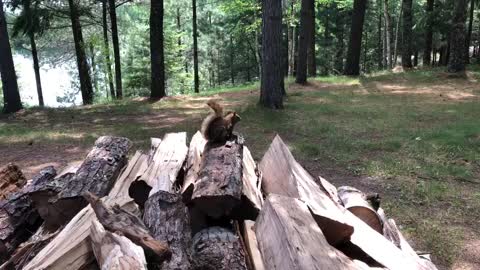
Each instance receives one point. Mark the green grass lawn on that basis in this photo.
(413, 137)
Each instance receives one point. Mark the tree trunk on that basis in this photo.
(272, 84)
(232, 61)
(340, 44)
(427, 53)
(469, 33)
(11, 180)
(108, 62)
(352, 66)
(311, 60)
(157, 50)
(11, 96)
(93, 65)
(397, 31)
(36, 68)
(457, 57)
(365, 54)
(195, 47)
(415, 58)
(388, 42)
(116, 48)
(83, 70)
(326, 44)
(380, 42)
(407, 34)
(304, 40)
(291, 42)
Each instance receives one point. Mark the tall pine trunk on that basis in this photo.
(326, 43)
(311, 57)
(339, 36)
(388, 39)
(352, 67)
(93, 66)
(469, 33)
(457, 57)
(397, 32)
(195, 47)
(157, 50)
(11, 96)
(36, 68)
(108, 62)
(116, 48)
(304, 40)
(427, 53)
(380, 53)
(272, 84)
(407, 34)
(83, 70)
(232, 61)
(291, 43)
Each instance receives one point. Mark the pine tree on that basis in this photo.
(407, 34)
(272, 84)
(352, 67)
(457, 57)
(157, 50)
(11, 96)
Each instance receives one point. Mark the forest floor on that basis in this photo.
(413, 137)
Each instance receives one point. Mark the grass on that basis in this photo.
(413, 137)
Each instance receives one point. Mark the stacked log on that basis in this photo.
(201, 207)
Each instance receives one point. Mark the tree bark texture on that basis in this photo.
(388, 39)
(36, 69)
(82, 64)
(457, 58)
(352, 67)
(11, 96)
(340, 43)
(272, 84)
(108, 61)
(469, 33)
(11, 180)
(157, 50)
(195, 47)
(116, 48)
(427, 53)
(306, 13)
(311, 56)
(407, 34)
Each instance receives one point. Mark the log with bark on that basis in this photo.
(62, 200)
(18, 217)
(283, 175)
(115, 252)
(117, 220)
(166, 216)
(218, 189)
(11, 180)
(217, 248)
(289, 238)
(71, 248)
(356, 202)
(165, 162)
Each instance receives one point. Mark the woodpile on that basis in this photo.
(206, 206)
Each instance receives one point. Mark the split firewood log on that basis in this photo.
(193, 164)
(117, 220)
(217, 248)
(252, 245)
(166, 216)
(289, 238)
(71, 248)
(18, 217)
(11, 180)
(62, 200)
(164, 164)
(283, 175)
(115, 252)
